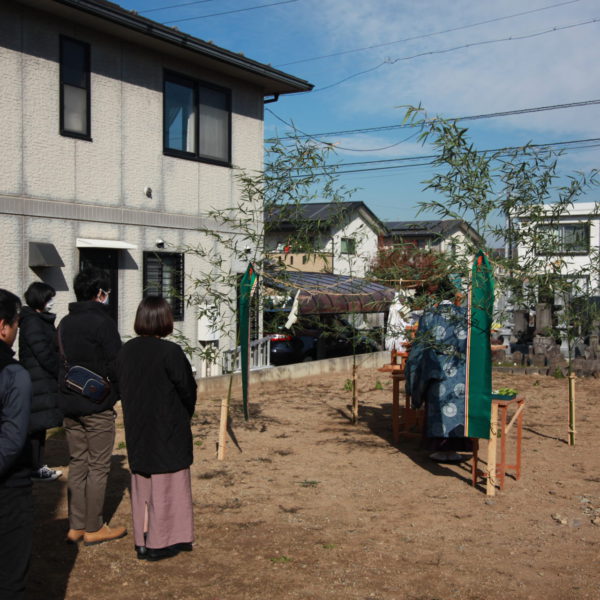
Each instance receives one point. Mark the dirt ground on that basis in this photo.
(310, 506)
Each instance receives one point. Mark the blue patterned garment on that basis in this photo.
(436, 369)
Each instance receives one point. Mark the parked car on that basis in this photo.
(318, 337)
(285, 349)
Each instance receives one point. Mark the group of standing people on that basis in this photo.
(153, 379)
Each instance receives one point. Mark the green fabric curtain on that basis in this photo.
(479, 353)
(246, 288)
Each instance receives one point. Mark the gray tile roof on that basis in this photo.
(421, 228)
(285, 216)
(273, 80)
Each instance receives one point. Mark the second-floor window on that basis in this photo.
(197, 120)
(74, 88)
(563, 238)
(348, 246)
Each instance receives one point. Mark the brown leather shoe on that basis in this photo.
(104, 534)
(74, 536)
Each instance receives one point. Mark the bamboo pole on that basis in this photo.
(354, 395)
(572, 378)
(490, 488)
(223, 429)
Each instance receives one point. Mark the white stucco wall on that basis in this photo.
(47, 180)
(366, 247)
(581, 212)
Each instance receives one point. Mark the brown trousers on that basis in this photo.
(91, 440)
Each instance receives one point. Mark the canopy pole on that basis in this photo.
(223, 428)
(354, 394)
(571, 409)
(490, 488)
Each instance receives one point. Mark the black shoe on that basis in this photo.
(142, 552)
(182, 547)
(154, 554)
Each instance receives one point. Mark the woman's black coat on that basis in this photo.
(158, 394)
(38, 353)
(90, 339)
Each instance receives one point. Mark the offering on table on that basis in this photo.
(504, 392)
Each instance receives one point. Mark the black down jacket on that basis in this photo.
(158, 394)
(38, 353)
(15, 407)
(90, 339)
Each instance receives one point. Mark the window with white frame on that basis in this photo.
(164, 277)
(197, 120)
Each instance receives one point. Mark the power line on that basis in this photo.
(308, 136)
(506, 113)
(430, 157)
(425, 35)
(387, 172)
(229, 12)
(143, 12)
(512, 38)
(541, 146)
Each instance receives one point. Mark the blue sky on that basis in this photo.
(551, 58)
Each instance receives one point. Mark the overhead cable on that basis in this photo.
(512, 38)
(506, 113)
(229, 12)
(425, 35)
(169, 6)
(430, 157)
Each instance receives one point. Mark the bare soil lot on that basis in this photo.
(312, 507)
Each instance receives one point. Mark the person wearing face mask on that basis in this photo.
(38, 353)
(88, 337)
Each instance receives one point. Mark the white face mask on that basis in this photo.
(49, 305)
(106, 296)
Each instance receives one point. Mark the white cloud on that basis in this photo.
(550, 69)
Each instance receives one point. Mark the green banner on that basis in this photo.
(479, 353)
(246, 288)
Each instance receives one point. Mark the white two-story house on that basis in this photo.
(118, 135)
(333, 237)
(569, 244)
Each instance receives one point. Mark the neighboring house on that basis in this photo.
(450, 235)
(571, 240)
(333, 237)
(118, 135)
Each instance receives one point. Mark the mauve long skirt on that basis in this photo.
(161, 507)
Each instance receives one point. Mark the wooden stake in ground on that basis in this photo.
(223, 429)
(572, 409)
(354, 396)
(490, 488)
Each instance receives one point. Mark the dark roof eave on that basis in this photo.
(281, 82)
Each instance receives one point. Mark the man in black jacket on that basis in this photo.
(88, 337)
(16, 512)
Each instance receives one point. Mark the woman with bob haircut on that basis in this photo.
(38, 353)
(158, 394)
